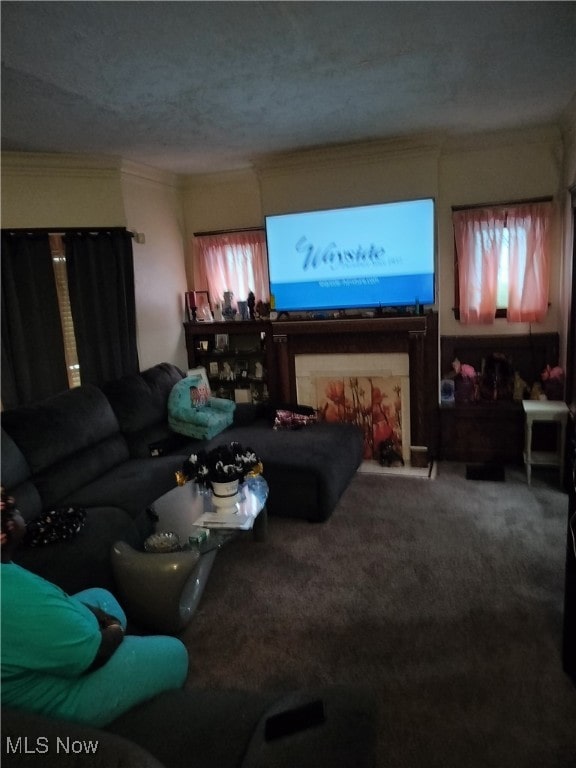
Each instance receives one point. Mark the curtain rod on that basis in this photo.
(227, 231)
(548, 199)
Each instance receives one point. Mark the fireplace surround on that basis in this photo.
(414, 336)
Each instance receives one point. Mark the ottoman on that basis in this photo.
(307, 469)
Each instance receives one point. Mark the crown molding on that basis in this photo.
(479, 142)
(357, 153)
(235, 176)
(148, 173)
(56, 164)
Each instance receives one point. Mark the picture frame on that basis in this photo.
(203, 305)
(190, 306)
(242, 395)
(221, 341)
(214, 368)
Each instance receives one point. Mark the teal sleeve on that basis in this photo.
(44, 629)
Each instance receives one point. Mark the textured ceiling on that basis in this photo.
(207, 86)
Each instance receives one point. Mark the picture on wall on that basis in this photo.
(373, 403)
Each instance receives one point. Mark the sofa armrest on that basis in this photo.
(221, 404)
(344, 738)
(31, 740)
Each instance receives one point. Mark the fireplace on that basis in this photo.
(379, 343)
(370, 390)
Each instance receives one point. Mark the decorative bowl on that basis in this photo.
(166, 541)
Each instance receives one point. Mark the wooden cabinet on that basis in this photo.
(416, 336)
(482, 432)
(238, 357)
(492, 430)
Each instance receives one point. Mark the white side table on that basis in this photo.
(554, 411)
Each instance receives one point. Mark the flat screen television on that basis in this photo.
(352, 258)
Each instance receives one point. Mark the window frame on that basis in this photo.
(500, 312)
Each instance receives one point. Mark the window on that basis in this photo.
(231, 261)
(70, 351)
(68, 301)
(502, 262)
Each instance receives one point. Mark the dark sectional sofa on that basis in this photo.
(110, 451)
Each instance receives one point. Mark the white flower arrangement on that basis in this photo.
(222, 464)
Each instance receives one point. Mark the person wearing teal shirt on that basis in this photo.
(68, 655)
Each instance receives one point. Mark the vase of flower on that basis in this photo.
(224, 494)
(222, 469)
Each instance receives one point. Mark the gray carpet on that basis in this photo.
(444, 596)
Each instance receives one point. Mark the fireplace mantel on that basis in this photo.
(400, 325)
(417, 336)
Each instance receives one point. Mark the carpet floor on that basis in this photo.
(443, 596)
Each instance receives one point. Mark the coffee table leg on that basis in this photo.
(260, 527)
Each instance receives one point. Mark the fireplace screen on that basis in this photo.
(373, 403)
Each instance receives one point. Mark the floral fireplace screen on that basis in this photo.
(374, 403)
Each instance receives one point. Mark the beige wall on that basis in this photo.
(154, 209)
(482, 169)
(60, 191)
(568, 183)
(217, 202)
(509, 167)
(53, 191)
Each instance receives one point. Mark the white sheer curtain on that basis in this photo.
(520, 234)
(236, 262)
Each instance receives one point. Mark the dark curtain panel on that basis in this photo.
(100, 270)
(571, 343)
(33, 361)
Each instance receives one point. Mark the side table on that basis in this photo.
(554, 411)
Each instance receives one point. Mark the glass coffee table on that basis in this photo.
(187, 508)
(161, 591)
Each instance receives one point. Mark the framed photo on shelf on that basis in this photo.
(198, 306)
(190, 306)
(214, 368)
(203, 306)
(221, 342)
(242, 395)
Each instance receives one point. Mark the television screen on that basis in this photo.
(361, 257)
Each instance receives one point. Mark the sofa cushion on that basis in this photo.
(16, 478)
(140, 402)
(198, 379)
(55, 483)
(60, 426)
(307, 470)
(43, 748)
(68, 440)
(226, 729)
(219, 726)
(84, 561)
(192, 412)
(132, 485)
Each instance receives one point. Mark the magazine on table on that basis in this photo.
(223, 519)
